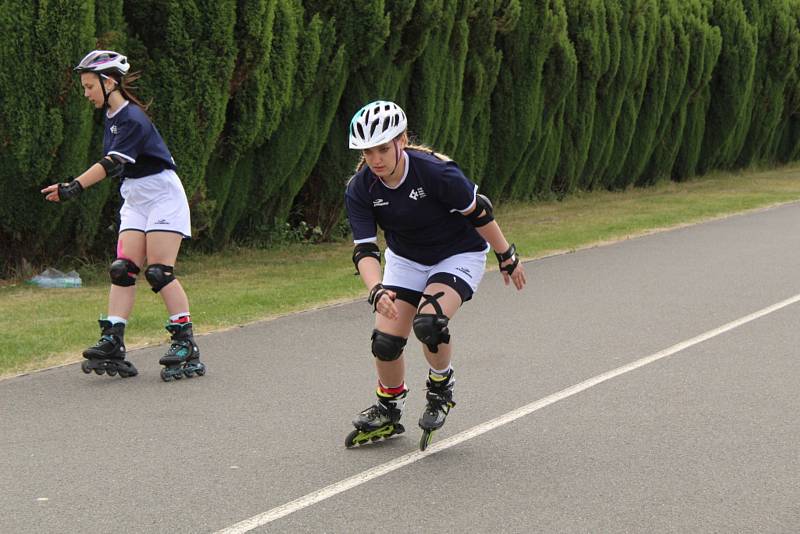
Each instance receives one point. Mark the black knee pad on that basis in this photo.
(387, 347)
(159, 276)
(431, 328)
(123, 272)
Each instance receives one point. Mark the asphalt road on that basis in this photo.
(702, 438)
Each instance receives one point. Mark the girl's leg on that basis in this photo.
(108, 354)
(183, 356)
(130, 246)
(162, 249)
(450, 302)
(440, 381)
(392, 373)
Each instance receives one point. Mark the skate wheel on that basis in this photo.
(165, 376)
(99, 371)
(350, 440)
(178, 375)
(189, 373)
(111, 372)
(200, 371)
(425, 440)
(85, 367)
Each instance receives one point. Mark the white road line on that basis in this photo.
(383, 469)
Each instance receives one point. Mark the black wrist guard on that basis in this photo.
(69, 190)
(365, 250)
(375, 295)
(507, 255)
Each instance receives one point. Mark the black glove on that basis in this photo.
(507, 255)
(69, 190)
(375, 295)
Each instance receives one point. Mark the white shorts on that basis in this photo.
(155, 203)
(467, 267)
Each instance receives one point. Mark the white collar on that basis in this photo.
(405, 173)
(112, 115)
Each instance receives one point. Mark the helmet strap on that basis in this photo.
(103, 88)
(396, 155)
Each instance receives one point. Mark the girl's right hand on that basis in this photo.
(385, 305)
(382, 301)
(51, 193)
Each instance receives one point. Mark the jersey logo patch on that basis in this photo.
(417, 193)
(379, 202)
(114, 129)
(464, 270)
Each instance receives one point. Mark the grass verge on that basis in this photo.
(40, 328)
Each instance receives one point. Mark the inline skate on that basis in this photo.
(107, 356)
(379, 421)
(440, 400)
(183, 357)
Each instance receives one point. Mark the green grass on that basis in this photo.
(44, 327)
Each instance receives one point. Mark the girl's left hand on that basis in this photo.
(518, 276)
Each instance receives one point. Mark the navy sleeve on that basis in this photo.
(456, 191)
(127, 142)
(362, 221)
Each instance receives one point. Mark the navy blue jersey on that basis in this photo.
(130, 135)
(421, 218)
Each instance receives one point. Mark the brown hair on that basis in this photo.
(127, 90)
(418, 147)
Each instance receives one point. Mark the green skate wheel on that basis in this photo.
(425, 440)
(350, 440)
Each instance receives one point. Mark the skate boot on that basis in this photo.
(379, 421)
(107, 356)
(440, 400)
(183, 357)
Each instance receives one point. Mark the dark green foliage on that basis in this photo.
(190, 59)
(639, 21)
(689, 128)
(40, 107)
(435, 98)
(540, 161)
(609, 98)
(254, 98)
(518, 99)
(665, 144)
(480, 78)
(377, 74)
(587, 31)
(651, 113)
(730, 110)
(777, 59)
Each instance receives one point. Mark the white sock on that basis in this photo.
(114, 319)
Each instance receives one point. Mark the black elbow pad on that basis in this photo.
(112, 166)
(482, 214)
(364, 250)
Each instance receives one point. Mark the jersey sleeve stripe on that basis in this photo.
(471, 204)
(123, 156)
(366, 240)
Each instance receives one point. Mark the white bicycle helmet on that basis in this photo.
(376, 123)
(103, 62)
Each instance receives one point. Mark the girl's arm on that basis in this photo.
(68, 190)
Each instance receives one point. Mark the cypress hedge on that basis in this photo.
(254, 97)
